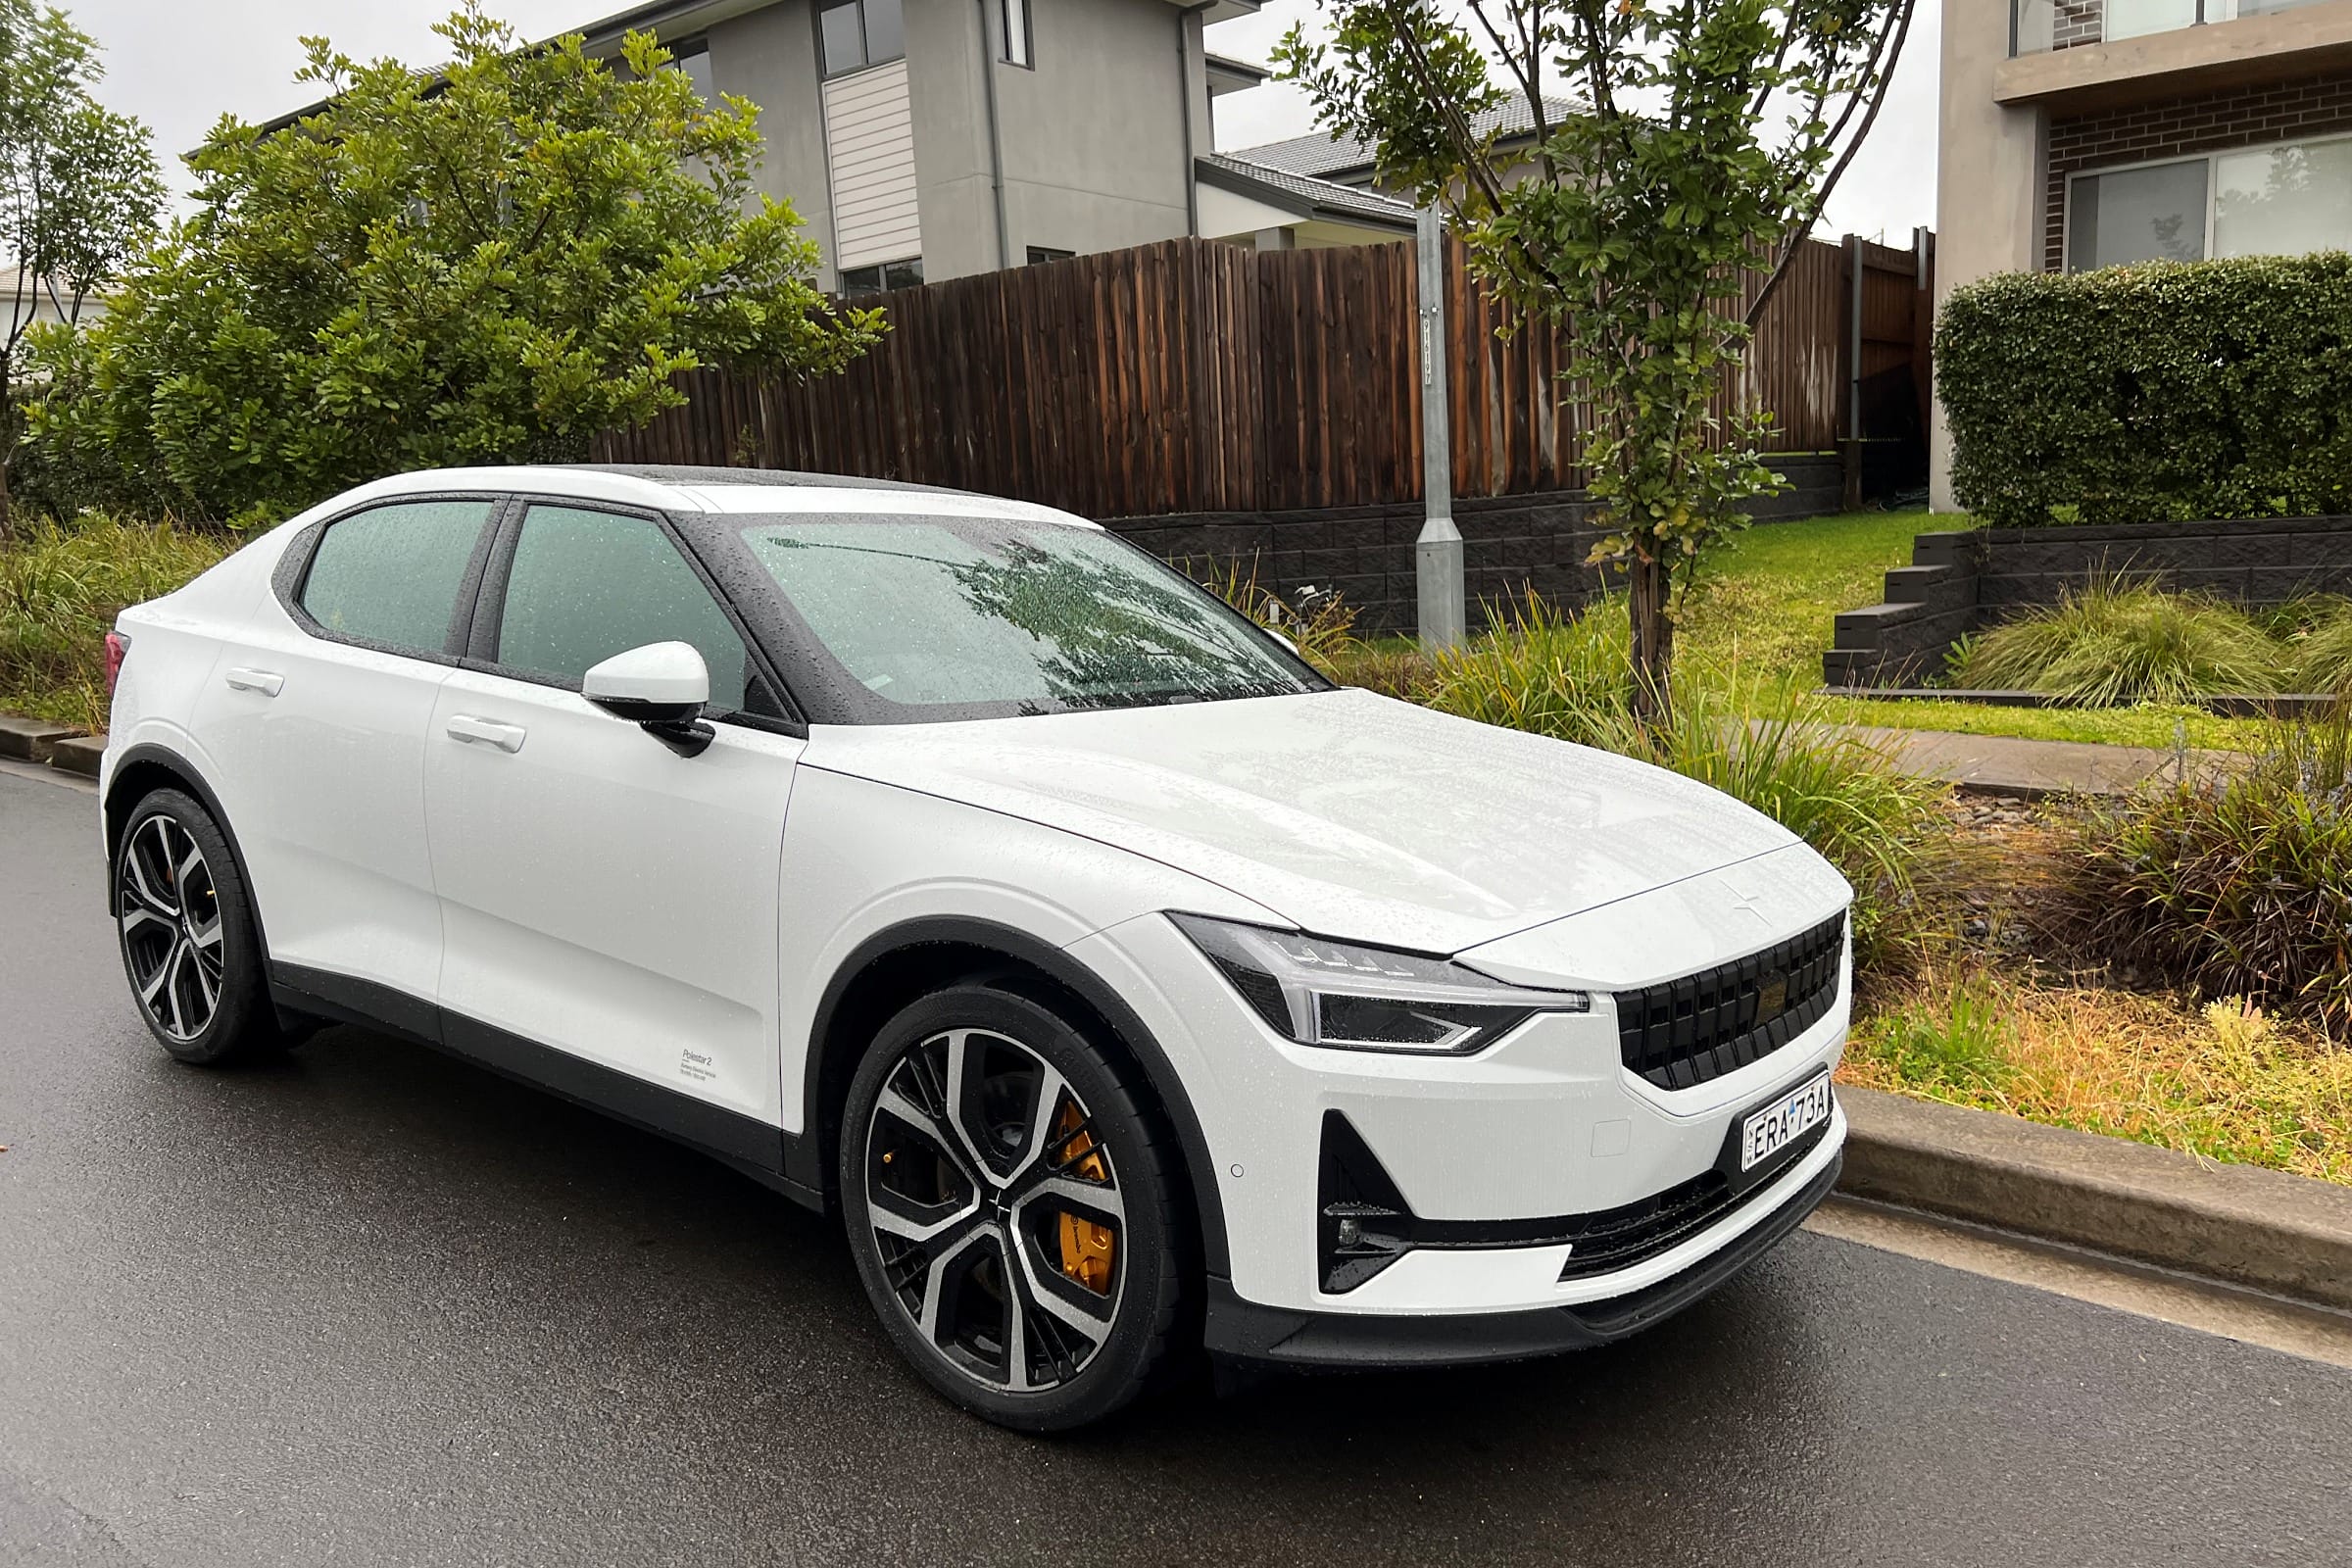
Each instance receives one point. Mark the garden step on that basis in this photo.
(78, 754)
(29, 740)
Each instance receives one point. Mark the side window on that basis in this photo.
(586, 585)
(391, 574)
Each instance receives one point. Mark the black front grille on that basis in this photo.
(1620, 1238)
(1682, 1033)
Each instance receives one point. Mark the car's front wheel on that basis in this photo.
(190, 947)
(1012, 1209)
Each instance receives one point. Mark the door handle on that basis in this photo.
(268, 682)
(506, 737)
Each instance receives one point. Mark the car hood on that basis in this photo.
(1348, 813)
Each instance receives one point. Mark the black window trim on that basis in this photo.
(480, 643)
(293, 574)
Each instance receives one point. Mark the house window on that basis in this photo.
(881, 277)
(691, 60)
(2281, 200)
(858, 34)
(1044, 253)
(1013, 30)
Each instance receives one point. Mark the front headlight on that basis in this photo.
(1356, 998)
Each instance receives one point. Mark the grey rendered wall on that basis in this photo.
(1093, 136)
(1989, 173)
(769, 56)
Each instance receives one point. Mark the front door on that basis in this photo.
(600, 894)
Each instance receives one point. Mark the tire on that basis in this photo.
(1051, 1169)
(190, 947)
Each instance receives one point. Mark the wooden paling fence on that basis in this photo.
(1192, 376)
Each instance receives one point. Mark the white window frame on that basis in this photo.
(2065, 240)
(1005, 11)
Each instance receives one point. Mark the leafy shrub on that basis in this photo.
(2240, 887)
(2112, 643)
(488, 262)
(2159, 392)
(61, 587)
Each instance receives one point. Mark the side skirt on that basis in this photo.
(747, 1145)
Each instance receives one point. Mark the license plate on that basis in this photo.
(1767, 1131)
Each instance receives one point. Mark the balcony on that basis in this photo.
(2037, 27)
(2081, 54)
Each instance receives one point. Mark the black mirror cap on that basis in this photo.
(637, 711)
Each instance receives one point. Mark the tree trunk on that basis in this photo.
(8, 440)
(1649, 582)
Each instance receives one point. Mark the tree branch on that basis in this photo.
(1821, 197)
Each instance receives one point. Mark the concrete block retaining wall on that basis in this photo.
(1509, 544)
(1959, 582)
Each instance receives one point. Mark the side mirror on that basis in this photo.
(1282, 642)
(662, 688)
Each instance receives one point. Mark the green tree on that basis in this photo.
(78, 188)
(1708, 134)
(489, 263)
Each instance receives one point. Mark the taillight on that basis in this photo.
(116, 645)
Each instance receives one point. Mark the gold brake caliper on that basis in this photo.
(1087, 1250)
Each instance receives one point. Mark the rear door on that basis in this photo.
(315, 721)
(602, 894)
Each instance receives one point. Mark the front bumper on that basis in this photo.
(1494, 1148)
(1242, 1331)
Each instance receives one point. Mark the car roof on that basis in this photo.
(689, 488)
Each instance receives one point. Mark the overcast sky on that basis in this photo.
(180, 63)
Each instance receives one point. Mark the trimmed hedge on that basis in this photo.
(2163, 392)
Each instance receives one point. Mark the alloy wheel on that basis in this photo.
(168, 911)
(996, 1210)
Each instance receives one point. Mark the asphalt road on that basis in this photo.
(376, 1307)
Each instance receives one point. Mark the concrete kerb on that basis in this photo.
(2241, 1225)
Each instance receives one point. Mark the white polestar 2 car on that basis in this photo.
(1124, 988)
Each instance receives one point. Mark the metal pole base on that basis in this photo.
(1437, 573)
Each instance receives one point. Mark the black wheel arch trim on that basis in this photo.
(194, 782)
(815, 1145)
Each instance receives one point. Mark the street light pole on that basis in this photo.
(1437, 553)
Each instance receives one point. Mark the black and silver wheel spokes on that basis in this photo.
(997, 1209)
(170, 915)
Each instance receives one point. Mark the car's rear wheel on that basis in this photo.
(190, 945)
(1010, 1205)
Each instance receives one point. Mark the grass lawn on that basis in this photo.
(2223, 1080)
(1769, 605)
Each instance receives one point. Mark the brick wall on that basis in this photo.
(2074, 22)
(2215, 121)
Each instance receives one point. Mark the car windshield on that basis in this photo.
(953, 616)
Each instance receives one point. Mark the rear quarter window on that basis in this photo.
(389, 576)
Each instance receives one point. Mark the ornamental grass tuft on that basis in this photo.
(2240, 886)
(2112, 643)
(61, 586)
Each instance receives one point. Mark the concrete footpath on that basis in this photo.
(2023, 769)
